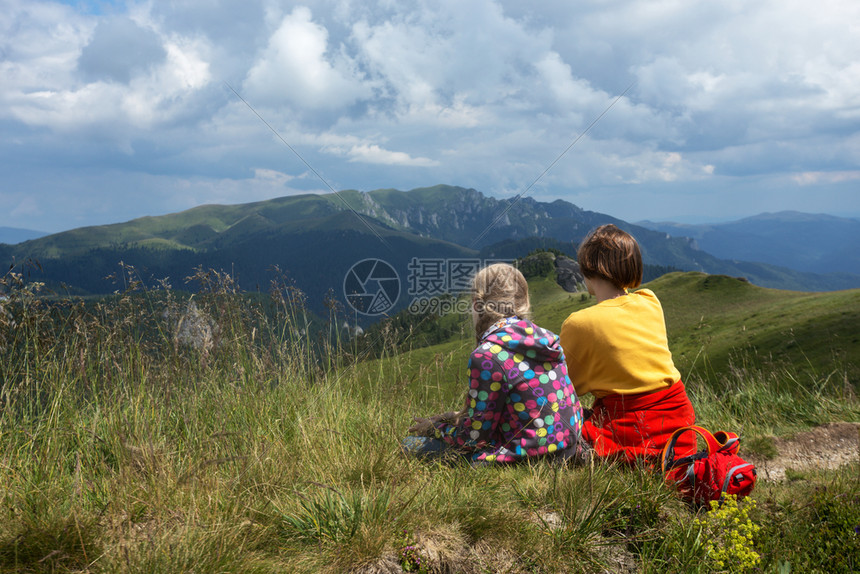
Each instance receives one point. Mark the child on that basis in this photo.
(520, 403)
(618, 351)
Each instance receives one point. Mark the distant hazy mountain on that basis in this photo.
(802, 241)
(315, 239)
(12, 235)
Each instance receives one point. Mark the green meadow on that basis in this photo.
(269, 448)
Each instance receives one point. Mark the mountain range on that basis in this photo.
(806, 242)
(315, 240)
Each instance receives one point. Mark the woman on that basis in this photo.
(520, 403)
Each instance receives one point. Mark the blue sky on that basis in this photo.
(116, 110)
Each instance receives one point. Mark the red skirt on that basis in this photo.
(639, 426)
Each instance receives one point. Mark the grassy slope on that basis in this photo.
(714, 321)
(722, 331)
(124, 454)
(717, 317)
(174, 227)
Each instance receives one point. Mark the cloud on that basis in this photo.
(119, 49)
(442, 55)
(297, 67)
(39, 46)
(568, 92)
(377, 155)
(486, 94)
(272, 176)
(74, 74)
(817, 177)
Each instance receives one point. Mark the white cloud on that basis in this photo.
(817, 177)
(271, 176)
(484, 94)
(39, 43)
(617, 163)
(570, 93)
(436, 56)
(298, 67)
(377, 155)
(41, 88)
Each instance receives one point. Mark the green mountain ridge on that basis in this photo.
(316, 238)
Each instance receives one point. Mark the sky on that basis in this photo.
(668, 110)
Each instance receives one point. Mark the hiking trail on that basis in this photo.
(828, 446)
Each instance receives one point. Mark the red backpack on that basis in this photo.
(709, 474)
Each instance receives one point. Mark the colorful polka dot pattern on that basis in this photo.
(521, 402)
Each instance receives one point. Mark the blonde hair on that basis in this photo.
(499, 291)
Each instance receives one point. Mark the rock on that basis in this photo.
(568, 275)
(196, 329)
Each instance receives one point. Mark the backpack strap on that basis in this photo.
(729, 441)
(667, 458)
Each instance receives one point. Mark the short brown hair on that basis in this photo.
(612, 254)
(499, 291)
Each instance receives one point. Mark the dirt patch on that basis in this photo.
(826, 447)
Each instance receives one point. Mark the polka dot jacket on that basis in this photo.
(521, 402)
